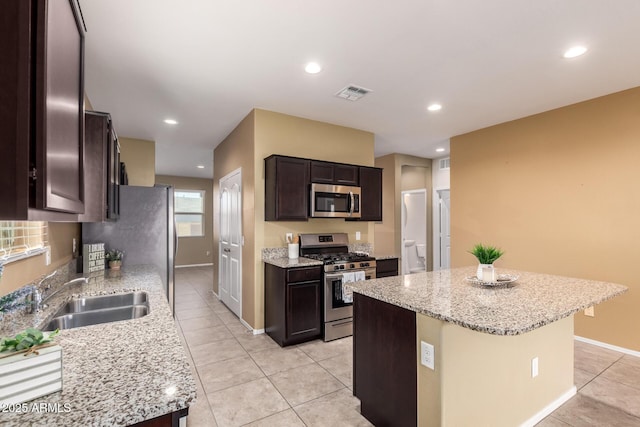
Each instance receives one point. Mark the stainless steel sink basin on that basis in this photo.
(95, 317)
(80, 305)
(87, 311)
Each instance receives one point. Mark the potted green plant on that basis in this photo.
(114, 257)
(31, 364)
(486, 256)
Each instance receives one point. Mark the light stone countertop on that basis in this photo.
(382, 257)
(118, 373)
(285, 262)
(280, 258)
(534, 300)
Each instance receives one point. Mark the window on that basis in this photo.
(189, 212)
(21, 239)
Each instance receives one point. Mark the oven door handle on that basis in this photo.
(370, 271)
(332, 275)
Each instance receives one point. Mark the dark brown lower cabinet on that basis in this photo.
(168, 420)
(386, 267)
(293, 303)
(385, 362)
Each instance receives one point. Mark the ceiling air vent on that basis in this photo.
(445, 163)
(352, 92)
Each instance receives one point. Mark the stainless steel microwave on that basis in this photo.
(335, 201)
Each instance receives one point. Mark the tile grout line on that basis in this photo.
(197, 374)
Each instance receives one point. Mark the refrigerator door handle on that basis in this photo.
(176, 241)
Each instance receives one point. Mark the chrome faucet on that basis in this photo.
(36, 301)
(34, 298)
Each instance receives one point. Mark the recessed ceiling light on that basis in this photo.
(434, 107)
(439, 150)
(170, 121)
(313, 68)
(200, 166)
(575, 51)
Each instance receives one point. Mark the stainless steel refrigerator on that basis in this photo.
(145, 231)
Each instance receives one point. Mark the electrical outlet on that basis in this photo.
(288, 237)
(427, 355)
(74, 246)
(47, 256)
(208, 253)
(534, 367)
(590, 311)
(358, 236)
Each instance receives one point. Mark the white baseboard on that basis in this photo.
(608, 346)
(248, 326)
(550, 408)
(194, 265)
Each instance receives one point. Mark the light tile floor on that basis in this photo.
(246, 379)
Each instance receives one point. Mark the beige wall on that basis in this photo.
(485, 380)
(259, 135)
(236, 151)
(401, 172)
(139, 157)
(558, 191)
(194, 250)
(20, 273)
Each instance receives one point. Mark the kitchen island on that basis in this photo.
(114, 374)
(500, 356)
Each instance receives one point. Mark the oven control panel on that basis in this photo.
(350, 266)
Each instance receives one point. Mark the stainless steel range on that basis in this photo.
(340, 266)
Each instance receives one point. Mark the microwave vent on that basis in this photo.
(352, 92)
(445, 163)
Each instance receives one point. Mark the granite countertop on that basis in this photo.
(280, 257)
(118, 373)
(534, 300)
(285, 262)
(382, 257)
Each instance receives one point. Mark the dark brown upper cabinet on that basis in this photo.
(371, 194)
(288, 180)
(41, 110)
(334, 173)
(102, 169)
(286, 188)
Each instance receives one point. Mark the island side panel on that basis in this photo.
(486, 379)
(429, 380)
(384, 362)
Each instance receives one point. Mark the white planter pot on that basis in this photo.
(25, 376)
(486, 273)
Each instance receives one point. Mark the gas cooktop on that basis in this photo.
(336, 258)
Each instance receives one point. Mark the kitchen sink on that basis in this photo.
(80, 305)
(86, 311)
(95, 317)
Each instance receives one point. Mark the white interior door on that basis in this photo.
(445, 228)
(231, 240)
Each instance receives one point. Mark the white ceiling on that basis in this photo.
(207, 63)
